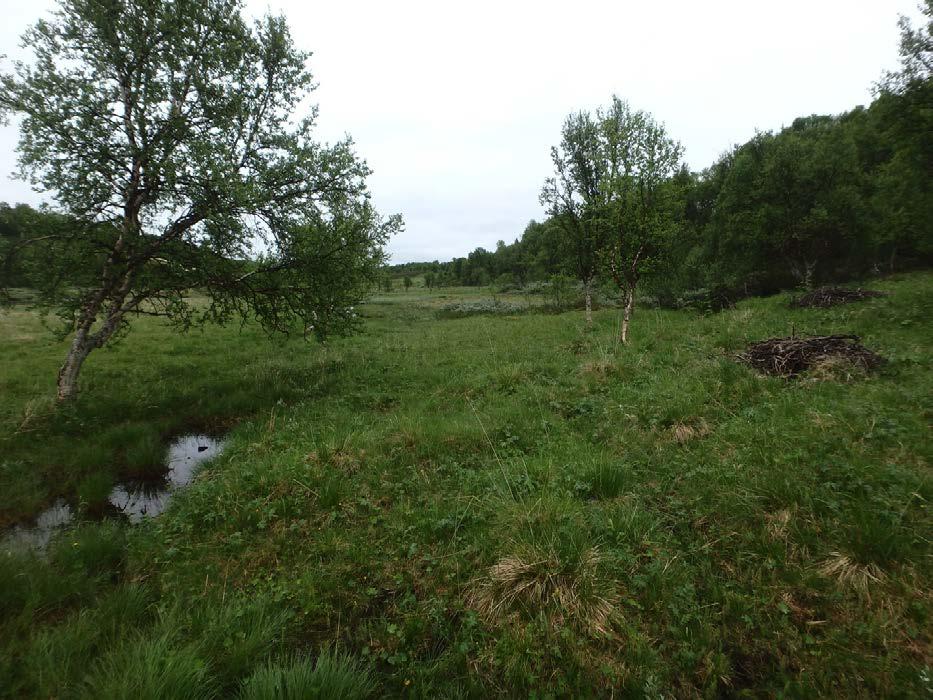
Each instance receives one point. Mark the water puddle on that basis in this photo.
(134, 499)
(22, 537)
(144, 499)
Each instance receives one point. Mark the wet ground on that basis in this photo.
(133, 500)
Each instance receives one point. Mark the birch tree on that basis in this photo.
(571, 197)
(169, 133)
(637, 160)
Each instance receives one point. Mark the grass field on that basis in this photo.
(490, 505)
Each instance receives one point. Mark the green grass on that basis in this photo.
(488, 505)
(329, 676)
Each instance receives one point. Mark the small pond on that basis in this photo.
(133, 499)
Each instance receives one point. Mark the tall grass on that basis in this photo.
(150, 668)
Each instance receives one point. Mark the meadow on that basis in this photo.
(461, 504)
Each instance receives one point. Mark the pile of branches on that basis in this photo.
(789, 357)
(824, 297)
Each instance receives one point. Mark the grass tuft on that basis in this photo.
(540, 582)
(850, 574)
(150, 669)
(331, 675)
(93, 492)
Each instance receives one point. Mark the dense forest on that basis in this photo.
(826, 199)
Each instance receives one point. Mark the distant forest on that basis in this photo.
(826, 199)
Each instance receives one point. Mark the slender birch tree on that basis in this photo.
(571, 197)
(637, 161)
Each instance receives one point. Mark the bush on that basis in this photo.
(561, 291)
(506, 282)
(706, 300)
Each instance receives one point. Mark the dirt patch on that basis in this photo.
(824, 297)
(789, 357)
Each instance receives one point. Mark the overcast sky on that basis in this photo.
(455, 106)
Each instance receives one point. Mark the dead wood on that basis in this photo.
(824, 297)
(788, 357)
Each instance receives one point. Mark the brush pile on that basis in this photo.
(789, 357)
(824, 297)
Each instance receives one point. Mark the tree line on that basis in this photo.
(825, 199)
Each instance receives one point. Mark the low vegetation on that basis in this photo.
(486, 505)
(831, 296)
(460, 309)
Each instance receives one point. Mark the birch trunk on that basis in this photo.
(588, 296)
(68, 374)
(809, 268)
(627, 315)
(85, 341)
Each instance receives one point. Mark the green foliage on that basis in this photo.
(792, 198)
(202, 176)
(827, 199)
(98, 550)
(93, 491)
(60, 656)
(143, 451)
(916, 51)
(604, 480)
(559, 291)
(573, 193)
(234, 635)
(636, 202)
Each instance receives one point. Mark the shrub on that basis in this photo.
(705, 300)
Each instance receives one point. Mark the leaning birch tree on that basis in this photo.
(167, 131)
